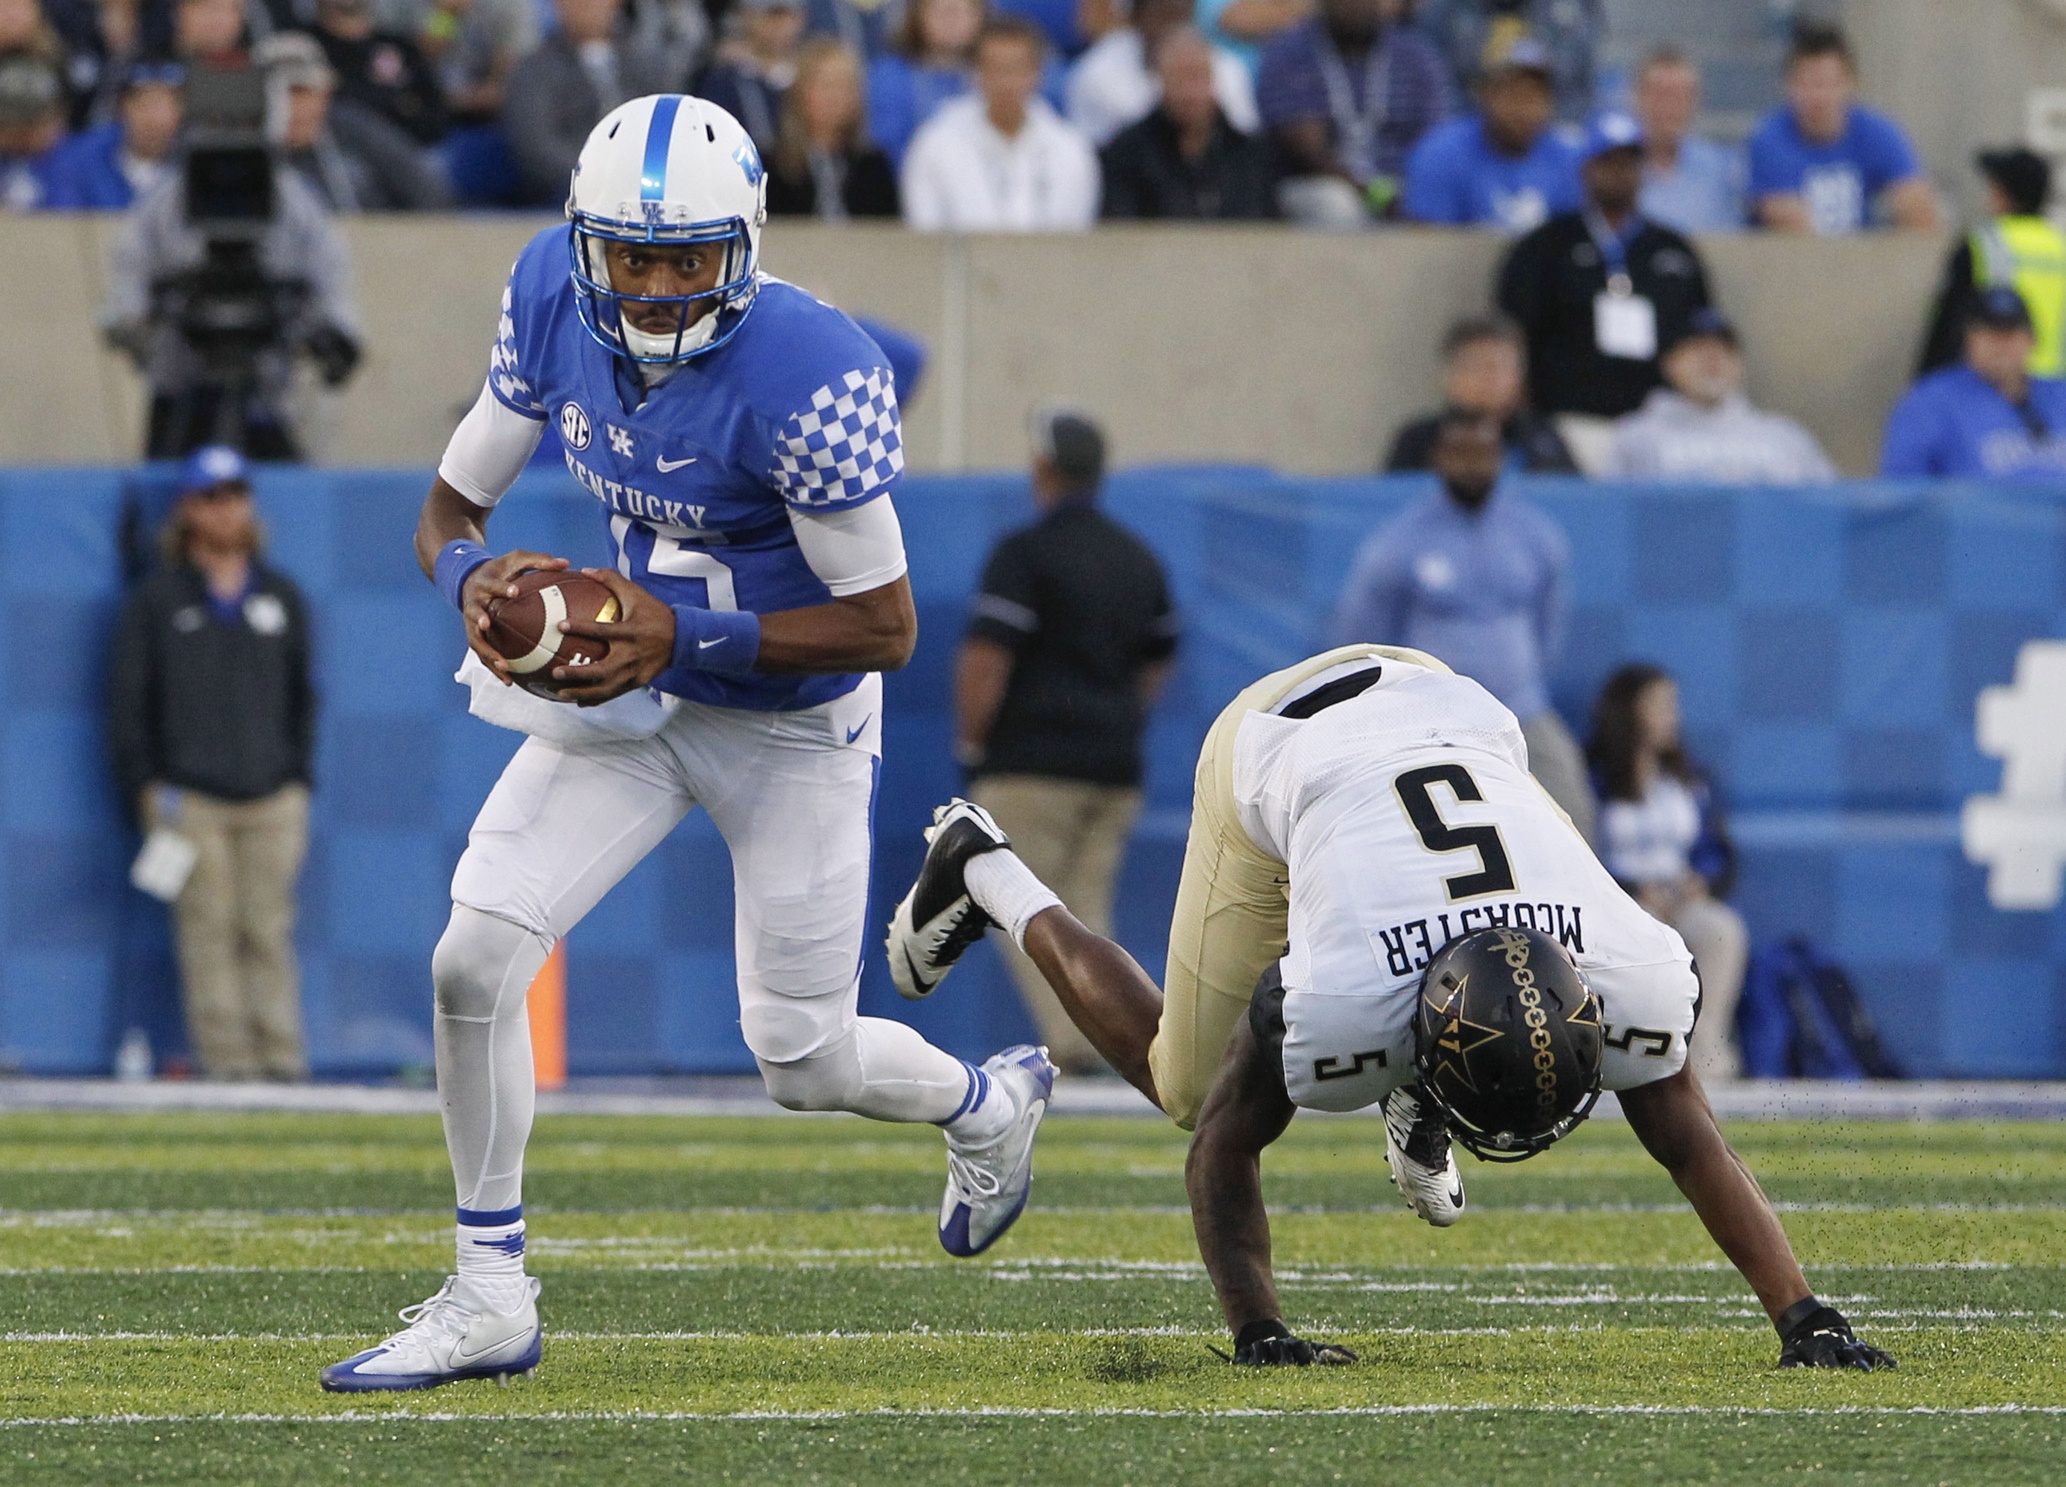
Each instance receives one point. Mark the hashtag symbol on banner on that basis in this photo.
(2019, 835)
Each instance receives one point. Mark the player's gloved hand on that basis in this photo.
(1812, 1335)
(641, 644)
(496, 579)
(1270, 1344)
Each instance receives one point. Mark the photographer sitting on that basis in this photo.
(222, 277)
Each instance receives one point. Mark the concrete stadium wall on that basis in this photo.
(1830, 646)
(1245, 345)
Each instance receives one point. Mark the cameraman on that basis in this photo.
(225, 274)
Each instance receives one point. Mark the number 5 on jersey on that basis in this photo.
(1495, 873)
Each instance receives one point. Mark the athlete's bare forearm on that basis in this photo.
(874, 631)
(1676, 1125)
(1112, 1001)
(1245, 1111)
(447, 516)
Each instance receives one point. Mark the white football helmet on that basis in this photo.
(667, 169)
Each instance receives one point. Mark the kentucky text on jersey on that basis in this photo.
(697, 475)
(1410, 946)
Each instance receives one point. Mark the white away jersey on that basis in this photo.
(1406, 817)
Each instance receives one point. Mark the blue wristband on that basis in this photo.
(455, 565)
(715, 639)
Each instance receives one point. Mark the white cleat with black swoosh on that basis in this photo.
(938, 921)
(1423, 1166)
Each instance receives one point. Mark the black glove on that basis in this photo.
(335, 354)
(1270, 1343)
(1812, 1335)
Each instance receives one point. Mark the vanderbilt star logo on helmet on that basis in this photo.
(1508, 1042)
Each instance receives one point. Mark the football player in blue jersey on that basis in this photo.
(742, 439)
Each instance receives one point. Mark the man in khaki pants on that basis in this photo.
(1070, 641)
(212, 719)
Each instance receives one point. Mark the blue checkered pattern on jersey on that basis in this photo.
(1829, 644)
(503, 370)
(844, 447)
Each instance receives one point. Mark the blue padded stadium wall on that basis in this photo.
(1830, 646)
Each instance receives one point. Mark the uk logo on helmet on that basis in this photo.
(749, 161)
(574, 430)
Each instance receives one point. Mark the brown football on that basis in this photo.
(525, 628)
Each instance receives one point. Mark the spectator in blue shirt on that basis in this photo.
(1478, 577)
(32, 130)
(931, 60)
(107, 168)
(1503, 166)
(1343, 97)
(1691, 183)
(1986, 418)
(1823, 163)
(1476, 35)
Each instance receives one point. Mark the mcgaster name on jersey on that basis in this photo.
(1410, 946)
(629, 500)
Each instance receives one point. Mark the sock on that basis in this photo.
(491, 1255)
(1006, 890)
(985, 1111)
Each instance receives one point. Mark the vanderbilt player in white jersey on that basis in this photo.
(1379, 904)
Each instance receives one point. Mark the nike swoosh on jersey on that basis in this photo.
(855, 731)
(668, 466)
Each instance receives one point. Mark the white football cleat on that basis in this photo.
(987, 1185)
(454, 1335)
(1423, 1166)
(938, 921)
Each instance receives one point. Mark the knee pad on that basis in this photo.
(827, 1080)
(477, 958)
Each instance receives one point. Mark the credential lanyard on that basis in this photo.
(1359, 127)
(1613, 248)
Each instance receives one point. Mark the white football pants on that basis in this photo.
(792, 795)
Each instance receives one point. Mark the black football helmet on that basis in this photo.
(1507, 1041)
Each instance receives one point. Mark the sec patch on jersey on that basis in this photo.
(524, 629)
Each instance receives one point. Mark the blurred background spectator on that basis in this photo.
(209, 32)
(824, 164)
(32, 130)
(1826, 164)
(381, 71)
(1479, 577)
(2017, 248)
(1345, 96)
(1001, 160)
(1986, 417)
(1700, 426)
(1478, 36)
(577, 74)
(1691, 184)
(754, 69)
(1187, 159)
(1502, 166)
(1484, 372)
(102, 41)
(474, 45)
(1116, 83)
(1663, 836)
(352, 158)
(108, 166)
(211, 720)
(1068, 646)
(931, 60)
(24, 33)
(1596, 292)
(1245, 27)
(868, 27)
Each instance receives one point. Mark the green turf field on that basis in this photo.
(763, 1301)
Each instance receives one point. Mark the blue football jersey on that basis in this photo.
(695, 477)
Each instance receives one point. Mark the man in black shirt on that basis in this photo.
(1598, 291)
(1484, 371)
(1070, 642)
(1184, 160)
(383, 71)
(212, 722)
